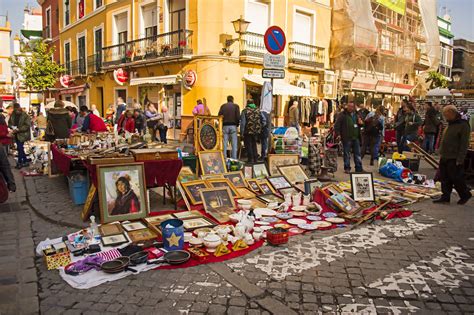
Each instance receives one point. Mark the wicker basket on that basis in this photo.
(277, 236)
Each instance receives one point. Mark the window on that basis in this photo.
(258, 14)
(386, 40)
(98, 49)
(149, 21)
(57, 16)
(47, 28)
(446, 56)
(81, 54)
(97, 3)
(66, 12)
(303, 28)
(177, 14)
(81, 8)
(405, 79)
(67, 57)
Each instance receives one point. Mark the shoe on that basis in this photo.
(441, 200)
(347, 171)
(463, 200)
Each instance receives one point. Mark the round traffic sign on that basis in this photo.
(275, 40)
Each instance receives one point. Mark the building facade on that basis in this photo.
(174, 52)
(6, 90)
(446, 42)
(463, 67)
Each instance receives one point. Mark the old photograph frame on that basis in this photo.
(362, 186)
(275, 160)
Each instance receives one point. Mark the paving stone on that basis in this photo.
(238, 302)
(217, 309)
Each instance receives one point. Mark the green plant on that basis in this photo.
(38, 69)
(436, 80)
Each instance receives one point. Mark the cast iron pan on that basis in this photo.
(139, 258)
(115, 266)
(175, 257)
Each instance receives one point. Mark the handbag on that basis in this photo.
(49, 129)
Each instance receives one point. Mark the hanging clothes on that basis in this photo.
(305, 110)
(313, 116)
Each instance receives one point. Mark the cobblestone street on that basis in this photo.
(424, 264)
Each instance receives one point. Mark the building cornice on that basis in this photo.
(85, 18)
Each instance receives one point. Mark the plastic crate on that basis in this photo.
(78, 187)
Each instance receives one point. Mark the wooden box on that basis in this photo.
(111, 160)
(154, 154)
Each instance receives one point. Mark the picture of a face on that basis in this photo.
(121, 188)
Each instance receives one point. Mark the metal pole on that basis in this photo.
(269, 146)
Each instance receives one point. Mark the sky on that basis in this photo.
(461, 11)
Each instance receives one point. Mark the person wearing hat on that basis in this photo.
(20, 124)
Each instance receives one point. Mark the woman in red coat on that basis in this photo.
(5, 138)
(126, 122)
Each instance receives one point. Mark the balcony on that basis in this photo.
(421, 60)
(161, 47)
(94, 63)
(305, 56)
(252, 47)
(78, 67)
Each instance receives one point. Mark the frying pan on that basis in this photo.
(115, 266)
(175, 257)
(138, 258)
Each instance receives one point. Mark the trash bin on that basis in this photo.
(173, 234)
(78, 187)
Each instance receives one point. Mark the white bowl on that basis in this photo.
(234, 217)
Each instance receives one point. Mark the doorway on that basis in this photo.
(121, 93)
(100, 99)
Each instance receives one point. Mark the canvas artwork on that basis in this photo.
(248, 171)
(196, 223)
(225, 183)
(192, 190)
(311, 185)
(122, 192)
(276, 160)
(212, 162)
(362, 186)
(269, 198)
(236, 178)
(266, 187)
(245, 193)
(293, 173)
(260, 170)
(279, 182)
(253, 185)
(208, 137)
(218, 202)
(142, 235)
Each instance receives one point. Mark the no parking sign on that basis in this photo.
(275, 40)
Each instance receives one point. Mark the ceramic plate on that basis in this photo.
(283, 225)
(306, 226)
(321, 224)
(314, 218)
(269, 219)
(298, 213)
(266, 228)
(195, 241)
(284, 215)
(296, 221)
(264, 212)
(295, 230)
(262, 223)
(329, 214)
(298, 208)
(205, 230)
(336, 220)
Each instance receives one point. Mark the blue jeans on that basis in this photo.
(406, 138)
(21, 152)
(429, 142)
(376, 147)
(230, 132)
(353, 145)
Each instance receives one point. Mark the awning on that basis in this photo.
(402, 89)
(438, 92)
(7, 97)
(279, 87)
(384, 87)
(31, 33)
(364, 84)
(72, 90)
(165, 79)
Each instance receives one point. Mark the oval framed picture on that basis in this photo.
(208, 137)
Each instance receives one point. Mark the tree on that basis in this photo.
(436, 80)
(38, 69)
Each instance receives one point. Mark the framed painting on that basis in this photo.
(218, 202)
(245, 193)
(191, 224)
(248, 171)
(269, 198)
(114, 240)
(253, 185)
(278, 182)
(265, 187)
(91, 198)
(236, 178)
(186, 174)
(133, 226)
(290, 190)
(224, 182)
(275, 160)
(183, 195)
(187, 214)
(362, 185)
(260, 170)
(211, 176)
(122, 192)
(293, 173)
(157, 219)
(257, 203)
(142, 235)
(110, 229)
(311, 185)
(208, 137)
(212, 162)
(192, 190)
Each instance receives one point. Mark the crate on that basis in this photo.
(78, 187)
(412, 164)
(277, 236)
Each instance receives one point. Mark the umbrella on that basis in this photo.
(66, 104)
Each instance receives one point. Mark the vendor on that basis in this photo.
(92, 123)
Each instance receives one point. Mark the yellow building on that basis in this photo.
(165, 45)
(6, 91)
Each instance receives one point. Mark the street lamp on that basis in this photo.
(240, 27)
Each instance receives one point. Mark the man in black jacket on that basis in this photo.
(347, 127)
(231, 114)
(452, 151)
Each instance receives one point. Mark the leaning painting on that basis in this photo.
(122, 192)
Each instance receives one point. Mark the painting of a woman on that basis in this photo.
(126, 201)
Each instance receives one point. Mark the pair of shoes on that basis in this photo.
(463, 200)
(441, 200)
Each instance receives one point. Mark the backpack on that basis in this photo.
(254, 122)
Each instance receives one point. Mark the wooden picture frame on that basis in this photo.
(114, 240)
(91, 198)
(223, 182)
(214, 122)
(133, 226)
(142, 235)
(190, 224)
(183, 195)
(187, 214)
(311, 185)
(293, 173)
(278, 182)
(246, 193)
(270, 198)
(266, 187)
(212, 162)
(260, 170)
(110, 229)
(212, 176)
(275, 160)
(186, 174)
(157, 219)
(362, 186)
(257, 203)
(253, 185)
(122, 189)
(236, 178)
(288, 190)
(192, 190)
(248, 171)
(218, 202)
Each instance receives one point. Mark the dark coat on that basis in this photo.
(431, 122)
(24, 125)
(341, 127)
(61, 121)
(455, 141)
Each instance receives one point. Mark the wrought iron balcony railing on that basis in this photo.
(176, 43)
(252, 45)
(94, 63)
(78, 67)
(306, 55)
